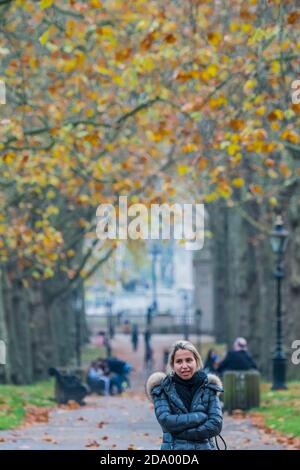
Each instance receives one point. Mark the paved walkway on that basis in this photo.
(125, 422)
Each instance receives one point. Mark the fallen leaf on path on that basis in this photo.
(238, 414)
(73, 405)
(50, 439)
(274, 436)
(246, 441)
(101, 424)
(2, 439)
(268, 430)
(93, 444)
(36, 414)
(104, 438)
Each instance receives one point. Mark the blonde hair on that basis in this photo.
(186, 346)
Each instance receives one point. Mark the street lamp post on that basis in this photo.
(198, 317)
(279, 239)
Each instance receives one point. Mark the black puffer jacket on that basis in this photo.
(183, 430)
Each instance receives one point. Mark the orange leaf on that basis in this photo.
(237, 124)
(293, 17)
(73, 405)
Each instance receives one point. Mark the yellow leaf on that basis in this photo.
(89, 112)
(48, 273)
(189, 148)
(83, 198)
(246, 27)
(234, 27)
(96, 4)
(211, 197)
(275, 126)
(291, 136)
(224, 190)
(249, 85)
(69, 65)
(238, 182)
(279, 114)
(45, 4)
(50, 194)
(8, 158)
(52, 210)
(214, 38)
(44, 37)
(103, 70)
(273, 201)
(212, 70)
(272, 173)
(232, 149)
(260, 111)
(205, 75)
(275, 67)
(148, 64)
(182, 169)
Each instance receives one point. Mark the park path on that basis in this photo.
(122, 422)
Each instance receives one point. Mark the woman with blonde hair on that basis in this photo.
(186, 401)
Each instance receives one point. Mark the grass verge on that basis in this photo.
(281, 409)
(15, 398)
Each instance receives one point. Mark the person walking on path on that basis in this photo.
(237, 359)
(186, 401)
(148, 359)
(147, 337)
(211, 361)
(135, 337)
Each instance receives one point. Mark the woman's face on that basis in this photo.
(184, 364)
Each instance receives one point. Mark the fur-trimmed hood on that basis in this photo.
(158, 377)
(153, 381)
